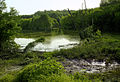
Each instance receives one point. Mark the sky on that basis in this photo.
(27, 7)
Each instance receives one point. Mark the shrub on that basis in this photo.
(7, 78)
(43, 70)
(89, 32)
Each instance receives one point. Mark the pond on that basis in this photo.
(51, 43)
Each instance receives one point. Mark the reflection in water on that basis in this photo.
(52, 44)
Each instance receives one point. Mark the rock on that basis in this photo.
(90, 66)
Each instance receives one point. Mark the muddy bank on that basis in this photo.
(90, 66)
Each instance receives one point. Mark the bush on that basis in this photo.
(43, 70)
(7, 78)
(89, 32)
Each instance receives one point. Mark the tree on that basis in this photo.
(45, 23)
(8, 27)
(108, 2)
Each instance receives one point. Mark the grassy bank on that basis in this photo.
(32, 34)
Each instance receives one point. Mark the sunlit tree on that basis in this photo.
(8, 26)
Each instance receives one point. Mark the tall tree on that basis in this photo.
(8, 26)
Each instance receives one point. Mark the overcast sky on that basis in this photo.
(31, 6)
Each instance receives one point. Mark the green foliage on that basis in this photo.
(7, 78)
(67, 23)
(110, 14)
(40, 39)
(106, 19)
(79, 20)
(90, 33)
(43, 70)
(31, 34)
(94, 46)
(8, 26)
(111, 76)
(33, 44)
(29, 58)
(43, 20)
(25, 24)
(99, 49)
(51, 71)
(109, 2)
(84, 77)
(2, 5)
(86, 33)
(40, 23)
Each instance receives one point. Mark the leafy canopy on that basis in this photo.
(8, 26)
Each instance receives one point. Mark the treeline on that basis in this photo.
(36, 23)
(108, 2)
(43, 20)
(105, 18)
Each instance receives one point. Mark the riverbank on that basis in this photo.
(105, 50)
(45, 34)
(32, 35)
(15, 67)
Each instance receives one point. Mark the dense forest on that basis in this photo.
(97, 28)
(43, 20)
(105, 18)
